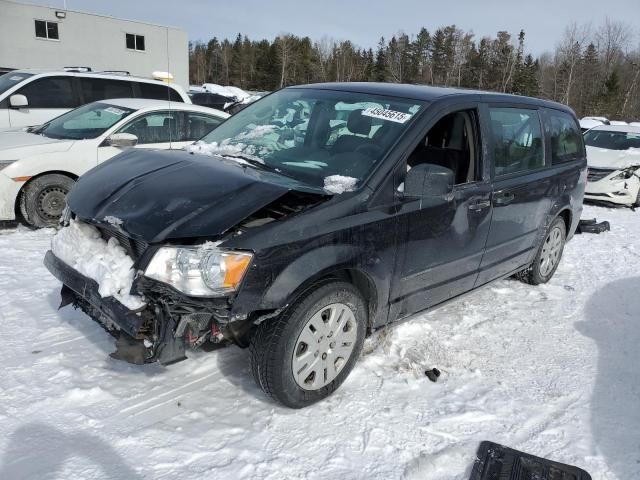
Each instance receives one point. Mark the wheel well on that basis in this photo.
(361, 281)
(567, 217)
(16, 207)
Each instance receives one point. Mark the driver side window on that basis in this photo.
(452, 143)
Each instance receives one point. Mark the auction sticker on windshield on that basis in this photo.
(384, 114)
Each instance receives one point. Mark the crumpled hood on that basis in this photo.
(613, 159)
(159, 195)
(21, 141)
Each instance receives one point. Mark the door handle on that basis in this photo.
(480, 204)
(505, 198)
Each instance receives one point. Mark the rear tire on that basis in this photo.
(548, 257)
(44, 198)
(305, 354)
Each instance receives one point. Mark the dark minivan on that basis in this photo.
(315, 216)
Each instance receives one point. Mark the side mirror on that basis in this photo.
(18, 101)
(428, 180)
(121, 140)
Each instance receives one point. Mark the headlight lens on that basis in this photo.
(6, 163)
(200, 271)
(624, 175)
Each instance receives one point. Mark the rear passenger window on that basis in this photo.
(517, 139)
(50, 92)
(94, 89)
(159, 92)
(566, 140)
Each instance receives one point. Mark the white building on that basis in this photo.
(51, 38)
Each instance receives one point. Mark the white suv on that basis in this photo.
(29, 97)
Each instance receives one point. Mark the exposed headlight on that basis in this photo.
(6, 163)
(199, 271)
(625, 174)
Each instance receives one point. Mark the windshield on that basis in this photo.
(88, 121)
(11, 79)
(312, 134)
(612, 140)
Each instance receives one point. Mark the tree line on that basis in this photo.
(594, 70)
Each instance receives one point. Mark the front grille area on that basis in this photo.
(134, 248)
(596, 174)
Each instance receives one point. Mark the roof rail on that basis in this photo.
(77, 69)
(115, 72)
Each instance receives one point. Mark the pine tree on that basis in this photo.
(380, 68)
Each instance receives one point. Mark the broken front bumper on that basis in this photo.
(125, 324)
(605, 186)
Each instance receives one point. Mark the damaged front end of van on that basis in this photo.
(157, 259)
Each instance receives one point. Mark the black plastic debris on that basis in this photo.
(432, 374)
(592, 226)
(497, 462)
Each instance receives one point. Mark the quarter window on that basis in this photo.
(135, 42)
(48, 30)
(158, 92)
(49, 92)
(566, 140)
(517, 140)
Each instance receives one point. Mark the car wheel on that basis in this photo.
(305, 354)
(548, 256)
(44, 199)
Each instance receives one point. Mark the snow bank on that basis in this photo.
(615, 159)
(337, 184)
(81, 247)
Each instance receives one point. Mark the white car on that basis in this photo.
(613, 155)
(38, 166)
(32, 97)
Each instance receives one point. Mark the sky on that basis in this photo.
(365, 21)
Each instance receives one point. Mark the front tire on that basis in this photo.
(548, 257)
(44, 198)
(304, 355)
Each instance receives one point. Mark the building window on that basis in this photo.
(135, 42)
(48, 30)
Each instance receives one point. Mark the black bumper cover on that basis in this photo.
(87, 288)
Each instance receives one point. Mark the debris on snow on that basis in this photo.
(432, 374)
(337, 184)
(81, 247)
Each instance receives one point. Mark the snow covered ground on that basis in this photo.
(551, 370)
